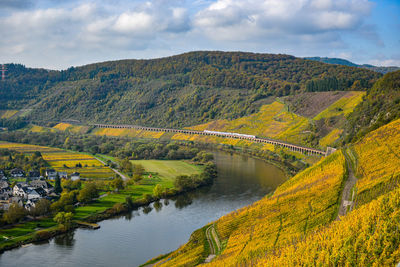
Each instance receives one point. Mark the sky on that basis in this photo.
(57, 34)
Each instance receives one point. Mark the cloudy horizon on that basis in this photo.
(59, 34)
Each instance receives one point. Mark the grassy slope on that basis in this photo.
(271, 232)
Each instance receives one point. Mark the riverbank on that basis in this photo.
(160, 227)
(109, 205)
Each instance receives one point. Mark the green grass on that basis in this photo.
(169, 169)
(162, 172)
(24, 231)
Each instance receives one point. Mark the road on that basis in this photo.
(114, 170)
(347, 198)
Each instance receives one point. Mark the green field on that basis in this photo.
(169, 169)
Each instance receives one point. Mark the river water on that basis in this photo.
(133, 239)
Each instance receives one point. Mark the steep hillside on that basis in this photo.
(182, 90)
(381, 105)
(345, 62)
(295, 226)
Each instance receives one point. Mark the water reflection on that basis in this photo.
(157, 206)
(66, 240)
(147, 209)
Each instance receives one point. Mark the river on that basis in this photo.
(133, 239)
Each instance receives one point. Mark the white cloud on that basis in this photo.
(240, 19)
(67, 33)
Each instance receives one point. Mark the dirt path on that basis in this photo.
(215, 246)
(114, 170)
(347, 198)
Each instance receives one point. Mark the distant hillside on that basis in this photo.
(344, 62)
(176, 91)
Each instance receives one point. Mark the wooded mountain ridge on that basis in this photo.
(175, 91)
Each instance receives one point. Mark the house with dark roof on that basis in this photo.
(63, 175)
(33, 175)
(46, 186)
(17, 172)
(31, 203)
(36, 193)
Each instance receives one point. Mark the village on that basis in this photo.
(35, 187)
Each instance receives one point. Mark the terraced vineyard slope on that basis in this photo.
(295, 226)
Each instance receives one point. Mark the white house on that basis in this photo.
(20, 190)
(75, 176)
(63, 175)
(51, 174)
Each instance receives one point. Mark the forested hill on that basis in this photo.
(345, 62)
(174, 91)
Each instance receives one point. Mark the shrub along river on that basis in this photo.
(134, 238)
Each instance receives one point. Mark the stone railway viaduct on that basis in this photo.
(301, 149)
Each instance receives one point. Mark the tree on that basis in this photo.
(138, 169)
(126, 166)
(43, 171)
(88, 193)
(129, 202)
(14, 214)
(117, 183)
(64, 219)
(183, 182)
(158, 191)
(57, 185)
(42, 207)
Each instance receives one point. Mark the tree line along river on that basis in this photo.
(134, 238)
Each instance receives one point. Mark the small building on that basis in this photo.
(31, 204)
(20, 190)
(63, 175)
(51, 174)
(33, 175)
(17, 172)
(46, 186)
(4, 184)
(75, 176)
(2, 174)
(36, 193)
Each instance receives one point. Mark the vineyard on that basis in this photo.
(64, 161)
(368, 237)
(271, 223)
(273, 233)
(377, 158)
(6, 114)
(272, 121)
(71, 128)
